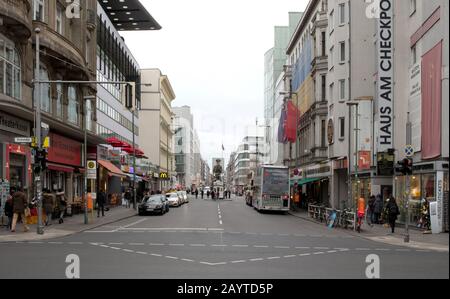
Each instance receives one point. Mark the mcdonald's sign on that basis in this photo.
(164, 176)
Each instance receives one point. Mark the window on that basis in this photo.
(341, 127)
(45, 91)
(88, 115)
(72, 108)
(341, 13)
(38, 10)
(342, 89)
(323, 41)
(324, 88)
(323, 133)
(342, 48)
(59, 19)
(412, 7)
(59, 97)
(10, 69)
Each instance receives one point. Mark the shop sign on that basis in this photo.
(322, 170)
(64, 150)
(156, 175)
(164, 176)
(385, 164)
(439, 198)
(385, 84)
(91, 173)
(364, 160)
(14, 125)
(415, 80)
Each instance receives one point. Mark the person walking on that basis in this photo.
(62, 204)
(393, 212)
(128, 197)
(9, 211)
(101, 199)
(371, 209)
(20, 203)
(47, 203)
(213, 194)
(377, 208)
(196, 193)
(202, 193)
(208, 194)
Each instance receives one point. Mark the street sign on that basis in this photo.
(91, 170)
(409, 151)
(23, 139)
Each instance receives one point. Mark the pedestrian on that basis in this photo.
(128, 197)
(213, 194)
(47, 202)
(229, 194)
(62, 204)
(20, 203)
(196, 193)
(202, 193)
(208, 193)
(101, 199)
(371, 209)
(377, 208)
(393, 212)
(9, 211)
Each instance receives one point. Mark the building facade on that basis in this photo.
(156, 116)
(67, 52)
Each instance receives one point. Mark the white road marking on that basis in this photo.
(137, 244)
(115, 248)
(260, 246)
(302, 247)
(257, 259)
(219, 245)
(239, 245)
(105, 246)
(273, 257)
(284, 247)
(141, 252)
(55, 242)
(304, 254)
(220, 221)
(155, 254)
(239, 261)
(321, 248)
(171, 257)
(115, 243)
(319, 252)
(332, 251)
(128, 250)
(133, 223)
(197, 245)
(215, 229)
(292, 255)
(176, 244)
(187, 260)
(156, 244)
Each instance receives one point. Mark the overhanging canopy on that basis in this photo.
(113, 170)
(305, 181)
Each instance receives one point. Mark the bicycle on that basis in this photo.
(331, 220)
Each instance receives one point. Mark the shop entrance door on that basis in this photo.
(17, 171)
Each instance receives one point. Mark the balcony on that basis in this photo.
(16, 17)
(319, 153)
(319, 63)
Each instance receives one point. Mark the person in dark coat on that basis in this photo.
(213, 194)
(377, 208)
(9, 211)
(393, 212)
(202, 193)
(20, 202)
(196, 193)
(371, 209)
(47, 203)
(62, 204)
(101, 200)
(208, 193)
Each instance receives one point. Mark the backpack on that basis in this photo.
(393, 209)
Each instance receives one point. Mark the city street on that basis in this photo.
(217, 239)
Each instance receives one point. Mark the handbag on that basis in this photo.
(27, 212)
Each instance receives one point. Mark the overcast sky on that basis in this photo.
(213, 53)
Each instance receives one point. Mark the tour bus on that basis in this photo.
(271, 188)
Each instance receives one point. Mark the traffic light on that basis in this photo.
(129, 96)
(405, 166)
(40, 160)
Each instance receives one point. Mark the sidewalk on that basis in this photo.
(70, 226)
(379, 233)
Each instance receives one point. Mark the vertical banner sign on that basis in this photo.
(385, 77)
(439, 198)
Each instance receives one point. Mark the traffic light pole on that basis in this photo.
(408, 194)
(37, 131)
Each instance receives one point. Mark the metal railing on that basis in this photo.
(344, 218)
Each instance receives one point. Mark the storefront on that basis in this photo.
(15, 159)
(65, 171)
(110, 179)
(426, 187)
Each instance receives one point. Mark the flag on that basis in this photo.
(281, 125)
(290, 127)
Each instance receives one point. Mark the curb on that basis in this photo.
(376, 238)
(71, 232)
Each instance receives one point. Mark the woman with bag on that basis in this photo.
(62, 205)
(20, 207)
(393, 211)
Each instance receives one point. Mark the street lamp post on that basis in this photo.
(86, 98)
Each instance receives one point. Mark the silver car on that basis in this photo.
(174, 199)
(186, 198)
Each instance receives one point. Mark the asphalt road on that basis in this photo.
(207, 239)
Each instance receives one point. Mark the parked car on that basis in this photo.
(174, 199)
(186, 198)
(154, 204)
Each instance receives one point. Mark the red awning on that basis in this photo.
(112, 169)
(115, 142)
(61, 168)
